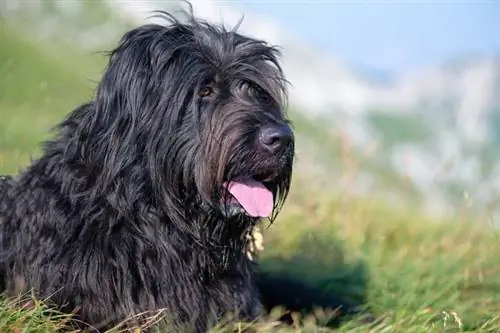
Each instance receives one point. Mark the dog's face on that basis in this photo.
(208, 109)
(246, 139)
(247, 144)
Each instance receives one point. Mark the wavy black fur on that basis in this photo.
(125, 210)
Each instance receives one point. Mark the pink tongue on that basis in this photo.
(255, 198)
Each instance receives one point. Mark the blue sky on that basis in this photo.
(390, 36)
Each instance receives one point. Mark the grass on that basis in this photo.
(414, 273)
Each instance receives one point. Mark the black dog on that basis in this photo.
(144, 199)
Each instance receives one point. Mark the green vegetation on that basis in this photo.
(400, 128)
(415, 274)
(38, 86)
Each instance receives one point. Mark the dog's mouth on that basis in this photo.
(252, 195)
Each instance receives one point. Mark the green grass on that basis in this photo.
(38, 86)
(414, 273)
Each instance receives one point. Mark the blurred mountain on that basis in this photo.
(432, 135)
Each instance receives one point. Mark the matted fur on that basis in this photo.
(125, 210)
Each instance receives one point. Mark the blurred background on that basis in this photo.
(396, 106)
(393, 101)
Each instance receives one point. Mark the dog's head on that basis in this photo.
(204, 108)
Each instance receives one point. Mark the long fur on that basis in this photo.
(125, 211)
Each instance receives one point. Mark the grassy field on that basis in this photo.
(414, 273)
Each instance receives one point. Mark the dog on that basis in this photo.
(145, 197)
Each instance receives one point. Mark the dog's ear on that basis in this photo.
(140, 100)
(123, 94)
(123, 88)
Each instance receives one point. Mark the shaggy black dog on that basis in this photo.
(144, 199)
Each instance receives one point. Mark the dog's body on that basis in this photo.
(128, 208)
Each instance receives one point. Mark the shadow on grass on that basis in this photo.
(315, 278)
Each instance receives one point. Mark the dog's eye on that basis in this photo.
(257, 92)
(205, 92)
(260, 94)
(265, 97)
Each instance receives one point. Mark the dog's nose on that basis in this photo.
(275, 138)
